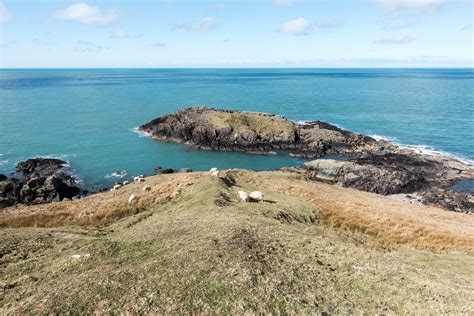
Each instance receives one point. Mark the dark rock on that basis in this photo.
(184, 170)
(263, 133)
(365, 177)
(3, 177)
(42, 166)
(159, 170)
(41, 181)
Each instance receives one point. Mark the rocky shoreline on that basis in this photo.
(38, 181)
(364, 163)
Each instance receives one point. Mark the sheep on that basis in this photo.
(138, 179)
(215, 173)
(243, 196)
(213, 170)
(125, 182)
(146, 188)
(116, 187)
(132, 198)
(256, 196)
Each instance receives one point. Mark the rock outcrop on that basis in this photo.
(254, 132)
(37, 181)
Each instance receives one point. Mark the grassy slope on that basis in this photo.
(196, 248)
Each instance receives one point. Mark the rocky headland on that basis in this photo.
(38, 181)
(363, 162)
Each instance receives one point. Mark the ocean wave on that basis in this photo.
(381, 137)
(428, 150)
(424, 149)
(4, 162)
(136, 130)
(116, 174)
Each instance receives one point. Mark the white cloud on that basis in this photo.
(403, 4)
(86, 14)
(402, 7)
(203, 25)
(400, 39)
(5, 14)
(119, 34)
(298, 26)
(284, 3)
(89, 47)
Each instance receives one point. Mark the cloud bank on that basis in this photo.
(5, 14)
(86, 14)
(298, 26)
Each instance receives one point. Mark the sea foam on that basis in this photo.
(140, 133)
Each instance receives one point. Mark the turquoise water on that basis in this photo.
(88, 116)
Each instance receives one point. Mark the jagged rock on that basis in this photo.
(253, 132)
(366, 177)
(42, 166)
(41, 181)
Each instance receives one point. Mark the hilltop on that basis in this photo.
(189, 245)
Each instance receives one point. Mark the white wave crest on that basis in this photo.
(430, 151)
(424, 149)
(116, 174)
(140, 133)
(381, 137)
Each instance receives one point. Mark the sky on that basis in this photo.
(243, 33)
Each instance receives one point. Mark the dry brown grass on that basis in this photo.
(389, 222)
(242, 122)
(378, 220)
(98, 209)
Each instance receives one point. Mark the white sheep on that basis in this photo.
(116, 187)
(215, 173)
(125, 182)
(132, 198)
(256, 196)
(243, 196)
(136, 178)
(213, 170)
(146, 188)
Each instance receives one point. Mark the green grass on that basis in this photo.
(200, 253)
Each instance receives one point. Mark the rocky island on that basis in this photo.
(363, 162)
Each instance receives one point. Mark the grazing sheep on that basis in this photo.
(116, 187)
(256, 196)
(215, 173)
(213, 170)
(125, 182)
(136, 178)
(147, 188)
(132, 198)
(243, 196)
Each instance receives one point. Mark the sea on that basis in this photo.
(89, 117)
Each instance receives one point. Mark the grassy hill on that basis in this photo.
(190, 246)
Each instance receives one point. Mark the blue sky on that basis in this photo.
(259, 33)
